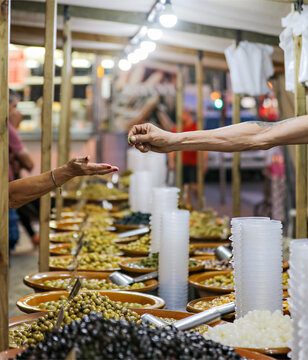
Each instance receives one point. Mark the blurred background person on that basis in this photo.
(19, 158)
(189, 162)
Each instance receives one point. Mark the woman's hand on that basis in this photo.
(148, 137)
(81, 166)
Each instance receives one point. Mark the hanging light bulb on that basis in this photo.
(124, 65)
(168, 18)
(154, 33)
(107, 63)
(133, 58)
(148, 46)
(141, 54)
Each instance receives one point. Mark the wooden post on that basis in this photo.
(179, 112)
(236, 163)
(199, 81)
(48, 96)
(301, 150)
(4, 160)
(65, 98)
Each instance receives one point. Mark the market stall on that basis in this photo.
(107, 231)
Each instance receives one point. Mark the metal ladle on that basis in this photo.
(124, 280)
(196, 320)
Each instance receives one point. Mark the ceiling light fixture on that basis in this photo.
(107, 63)
(167, 17)
(141, 54)
(155, 33)
(124, 65)
(148, 46)
(133, 58)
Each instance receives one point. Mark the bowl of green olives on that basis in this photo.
(59, 280)
(213, 282)
(144, 265)
(88, 262)
(53, 300)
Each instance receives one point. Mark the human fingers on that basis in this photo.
(143, 147)
(100, 169)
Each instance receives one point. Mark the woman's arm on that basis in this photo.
(250, 135)
(25, 190)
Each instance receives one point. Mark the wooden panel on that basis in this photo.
(4, 99)
(301, 151)
(179, 111)
(200, 172)
(236, 163)
(65, 99)
(48, 94)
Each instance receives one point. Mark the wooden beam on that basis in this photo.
(4, 160)
(301, 150)
(65, 99)
(139, 18)
(200, 167)
(48, 96)
(236, 163)
(179, 112)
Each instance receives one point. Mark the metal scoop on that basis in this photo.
(141, 231)
(196, 320)
(204, 317)
(124, 280)
(223, 253)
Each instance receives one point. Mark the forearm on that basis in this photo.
(25, 190)
(245, 136)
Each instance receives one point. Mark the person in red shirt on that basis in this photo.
(189, 161)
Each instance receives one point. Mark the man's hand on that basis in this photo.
(148, 137)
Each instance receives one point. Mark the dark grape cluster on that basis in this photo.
(136, 218)
(95, 338)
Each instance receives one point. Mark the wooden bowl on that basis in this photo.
(55, 237)
(67, 215)
(204, 290)
(208, 238)
(36, 281)
(122, 227)
(59, 249)
(191, 307)
(133, 253)
(70, 257)
(62, 249)
(29, 303)
(125, 267)
(204, 258)
(198, 248)
(65, 225)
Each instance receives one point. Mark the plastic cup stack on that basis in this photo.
(142, 191)
(154, 162)
(132, 193)
(257, 263)
(163, 199)
(173, 259)
(298, 290)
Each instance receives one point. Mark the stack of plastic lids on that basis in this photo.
(163, 199)
(257, 263)
(298, 290)
(173, 259)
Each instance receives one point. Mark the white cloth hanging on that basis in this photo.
(250, 67)
(295, 24)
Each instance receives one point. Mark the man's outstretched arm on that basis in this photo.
(251, 135)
